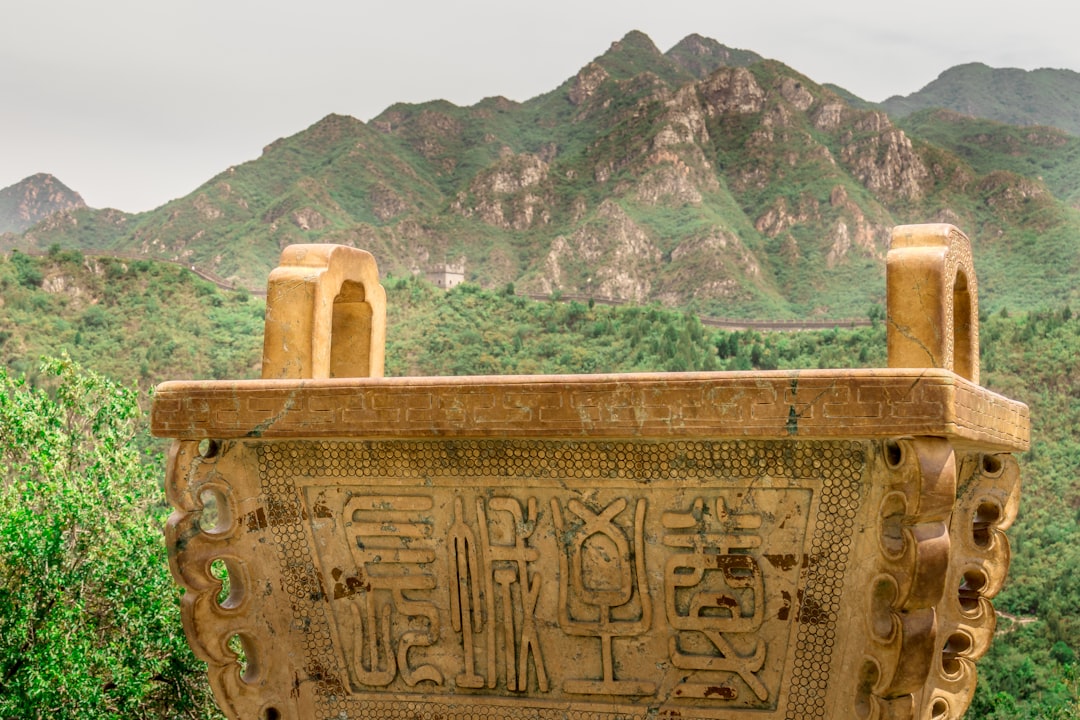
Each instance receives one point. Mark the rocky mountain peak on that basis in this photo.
(635, 54)
(635, 41)
(702, 56)
(33, 199)
(586, 83)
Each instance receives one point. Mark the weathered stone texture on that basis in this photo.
(813, 544)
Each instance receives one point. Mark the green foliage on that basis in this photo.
(1020, 680)
(835, 348)
(470, 331)
(138, 320)
(89, 617)
(26, 270)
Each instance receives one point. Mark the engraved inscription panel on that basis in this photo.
(626, 579)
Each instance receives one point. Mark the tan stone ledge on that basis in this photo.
(805, 404)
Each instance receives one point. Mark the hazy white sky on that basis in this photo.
(135, 102)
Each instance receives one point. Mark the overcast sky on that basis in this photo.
(135, 102)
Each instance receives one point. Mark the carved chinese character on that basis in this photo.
(465, 603)
(510, 593)
(598, 573)
(390, 542)
(714, 591)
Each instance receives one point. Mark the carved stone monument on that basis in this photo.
(810, 544)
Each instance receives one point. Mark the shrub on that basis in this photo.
(89, 617)
(27, 270)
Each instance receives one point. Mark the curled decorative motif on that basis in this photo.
(985, 508)
(914, 543)
(204, 532)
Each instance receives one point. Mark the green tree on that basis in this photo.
(89, 618)
(27, 270)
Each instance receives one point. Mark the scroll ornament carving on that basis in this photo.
(929, 615)
(222, 618)
(913, 542)
(985, 509)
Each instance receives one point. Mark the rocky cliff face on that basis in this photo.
(609, 257)
(882, 157)
(33, 199)
(511, 194)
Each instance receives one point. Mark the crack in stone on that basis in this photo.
(905, 330)
(266, 424)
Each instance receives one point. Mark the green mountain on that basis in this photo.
(33, 199)
(703, 178)
(1018, 97)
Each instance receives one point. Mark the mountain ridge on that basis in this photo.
(1044, 96)
(703, 177)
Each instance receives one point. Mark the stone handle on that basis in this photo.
(933, 300)
(325, 315)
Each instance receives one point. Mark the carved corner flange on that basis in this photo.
(325, 314)
(987, 503)
(912, 523)
(221, 617)
(932, 300)
(942, 556)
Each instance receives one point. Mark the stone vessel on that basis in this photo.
(804, 544)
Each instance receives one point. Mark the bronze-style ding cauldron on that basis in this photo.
(804, 544)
